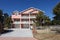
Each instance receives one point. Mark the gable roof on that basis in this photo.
(29, 10)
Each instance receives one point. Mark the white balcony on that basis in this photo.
(25, 17)
(31, 22)
(16, 22)
(32, 16)
(25, 22)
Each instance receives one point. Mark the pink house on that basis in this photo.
(24, 19)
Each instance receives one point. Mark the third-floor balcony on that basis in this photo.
(24, 17)
(16, 22)
(32, 16)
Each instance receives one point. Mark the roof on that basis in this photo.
(29, 10)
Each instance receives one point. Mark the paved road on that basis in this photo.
(18, 33)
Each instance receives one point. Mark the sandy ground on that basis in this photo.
(46, 35)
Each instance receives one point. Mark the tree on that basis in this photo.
(56, 12)
(1, 21)
(46, 20)
(7, 21)
(39, 18)
(1, 16)
(42, 19)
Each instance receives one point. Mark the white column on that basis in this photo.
(29, 20)
(20, 21)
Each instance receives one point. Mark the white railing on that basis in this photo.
(25, 17)
(28, 17)
(32, 16)
(16, 22)
(31, 22)
(25, 22)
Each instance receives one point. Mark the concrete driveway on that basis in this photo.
(17, 32)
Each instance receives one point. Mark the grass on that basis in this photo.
(46, 35)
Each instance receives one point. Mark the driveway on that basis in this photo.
(17, 38)
(17, 32)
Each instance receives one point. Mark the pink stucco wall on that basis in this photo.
(16, 16)
(23, 13)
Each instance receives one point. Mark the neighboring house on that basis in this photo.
(25, 18)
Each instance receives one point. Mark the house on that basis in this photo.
(24, 19)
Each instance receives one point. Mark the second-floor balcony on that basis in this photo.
(27, 22)
(24, 22)
(25, 17)
(16, 22)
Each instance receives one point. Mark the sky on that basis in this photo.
(8, 6)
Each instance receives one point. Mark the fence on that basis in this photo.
(52, 27)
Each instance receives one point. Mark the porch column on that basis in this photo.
(29, 20)
(20, 21)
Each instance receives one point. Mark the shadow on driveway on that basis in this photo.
(6, 31)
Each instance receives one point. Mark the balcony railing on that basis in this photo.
(25, 22)
(16, 22)
(31, 22)
(25, 17)
(32, 16)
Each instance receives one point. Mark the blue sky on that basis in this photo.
(8, 6)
